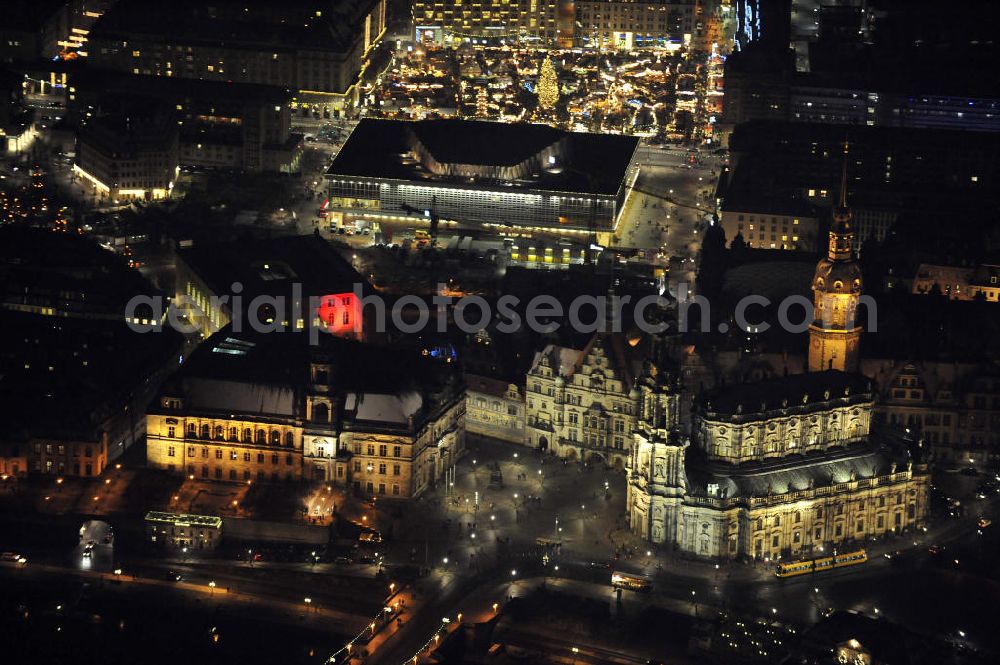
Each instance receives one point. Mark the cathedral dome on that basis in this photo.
(837, 277)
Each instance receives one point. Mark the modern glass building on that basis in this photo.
(483, 174)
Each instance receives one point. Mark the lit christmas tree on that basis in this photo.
(548, 86)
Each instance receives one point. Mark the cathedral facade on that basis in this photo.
(781, 468)
(786, 467)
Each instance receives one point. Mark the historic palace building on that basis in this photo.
(494, 409)
(583, 404)
(255, 407)
(784, 467)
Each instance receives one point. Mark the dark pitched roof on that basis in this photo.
(792, 473)
(267, 373)
(783, 392)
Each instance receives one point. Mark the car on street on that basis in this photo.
(370, 537)
(14, 558)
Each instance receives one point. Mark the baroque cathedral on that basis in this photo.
(785, 467)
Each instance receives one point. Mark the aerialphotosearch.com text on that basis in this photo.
(412, 314)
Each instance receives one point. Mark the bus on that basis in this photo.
(630, 582)
(820, 564)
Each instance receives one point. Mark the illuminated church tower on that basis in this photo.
(834, 336)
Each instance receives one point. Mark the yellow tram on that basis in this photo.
(819, 564)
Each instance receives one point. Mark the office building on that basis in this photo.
(492, 21)
(221, 125)
(318, 49)
(297, 281)
(131, 156)
(626, 25)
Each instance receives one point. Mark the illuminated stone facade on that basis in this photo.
(395, 444)
(233, 415)
(583, 404)
(221, 445)
(69, 457)
(785, 467)
(494, 409)
(740, 491)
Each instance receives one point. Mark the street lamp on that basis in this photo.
(211, 585)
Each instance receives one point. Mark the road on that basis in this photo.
(479, 559)
(669, 208)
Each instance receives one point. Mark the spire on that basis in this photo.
(843, 178)
(842, 230)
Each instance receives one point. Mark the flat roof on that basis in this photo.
(109, 81)
(272, 266)
(218, 25)
(180, 519)
(585, 163)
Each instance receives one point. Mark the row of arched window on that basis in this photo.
(258, 436)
